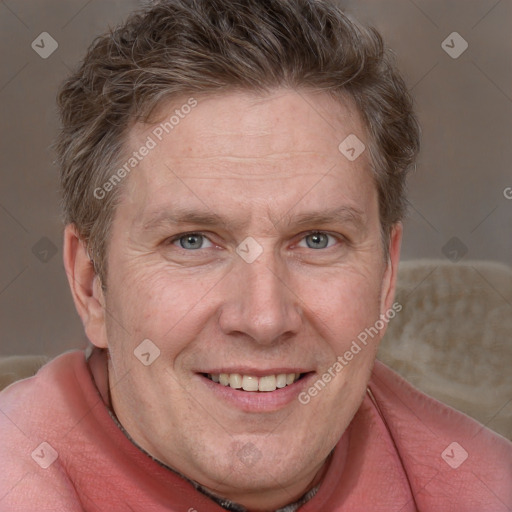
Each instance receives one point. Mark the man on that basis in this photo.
(233, 179)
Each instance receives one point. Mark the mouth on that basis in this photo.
(255, 390)
(254, 384)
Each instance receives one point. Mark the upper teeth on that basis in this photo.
(251, 383)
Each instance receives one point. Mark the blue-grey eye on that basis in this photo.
(317, 241)
(192, 241)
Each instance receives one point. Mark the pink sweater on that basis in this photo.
(61, 451)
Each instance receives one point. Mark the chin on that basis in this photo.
(251, 468)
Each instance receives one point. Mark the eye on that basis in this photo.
(192, 241)
(317, 240)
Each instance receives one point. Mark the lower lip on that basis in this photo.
(259, 401)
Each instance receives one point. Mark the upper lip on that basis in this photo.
(254, 372)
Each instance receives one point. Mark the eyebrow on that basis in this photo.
(183, 216)
(339, 215)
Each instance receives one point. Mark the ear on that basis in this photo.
(391, 272)
(85, 287)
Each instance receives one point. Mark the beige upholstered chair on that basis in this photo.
(453, 338)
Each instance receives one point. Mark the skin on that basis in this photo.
(260, 162)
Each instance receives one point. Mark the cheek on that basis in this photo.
(158, 304)
(348, 310)
(343, 305)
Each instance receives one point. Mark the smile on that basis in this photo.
(252, 383)
(257, 391)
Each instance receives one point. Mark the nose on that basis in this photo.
(260, 303)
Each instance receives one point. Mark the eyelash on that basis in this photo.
(171, 241)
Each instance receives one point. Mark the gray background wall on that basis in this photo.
(457, 193)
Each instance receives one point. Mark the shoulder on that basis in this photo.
(35, 399)
(448, 456)
(32, 411)
(58, 388)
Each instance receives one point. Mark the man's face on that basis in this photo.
(288, 300)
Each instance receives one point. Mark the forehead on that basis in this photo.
(243, 146)
(274, 120)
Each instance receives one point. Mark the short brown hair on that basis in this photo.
(185, 47)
